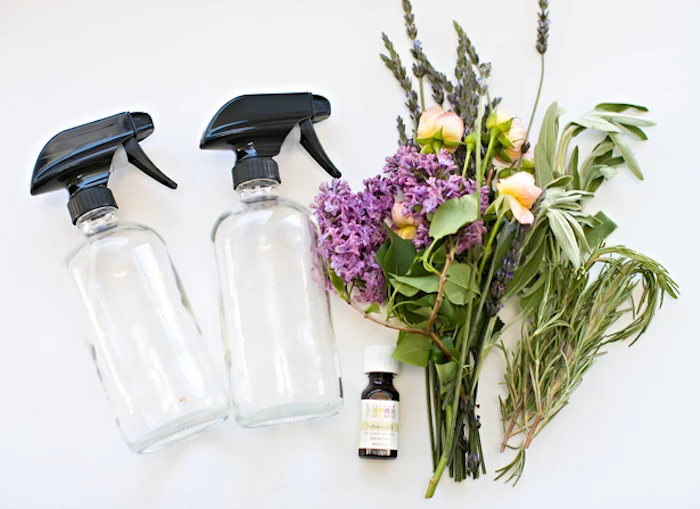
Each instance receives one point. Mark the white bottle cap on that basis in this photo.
(378, 359)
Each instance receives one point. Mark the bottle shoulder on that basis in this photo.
(261, 210)
(124, 234)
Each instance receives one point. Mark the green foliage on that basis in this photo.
(574, 316)
(454, 214)
(412, 348)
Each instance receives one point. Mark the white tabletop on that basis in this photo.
(626, 441)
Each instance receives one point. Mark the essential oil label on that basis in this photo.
(379, 427)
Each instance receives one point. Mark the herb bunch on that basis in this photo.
(568, 330)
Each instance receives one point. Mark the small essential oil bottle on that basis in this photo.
(379, 424)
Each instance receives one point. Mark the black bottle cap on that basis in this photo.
(255, 126)
(80, 160)
(254, 168)
(89, 199)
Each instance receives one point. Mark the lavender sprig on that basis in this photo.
(438, 81)
(505, 273)
(394, 64)
(542, 27)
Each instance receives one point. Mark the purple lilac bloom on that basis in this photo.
(426, 182)
(353, 224)
(352, 230)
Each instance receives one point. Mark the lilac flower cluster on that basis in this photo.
(353, 225)
(352, 230)
(426, 181)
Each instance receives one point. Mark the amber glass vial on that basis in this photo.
(379, 421)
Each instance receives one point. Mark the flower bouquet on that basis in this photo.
(468, 214)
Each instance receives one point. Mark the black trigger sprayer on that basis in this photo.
(255, 126)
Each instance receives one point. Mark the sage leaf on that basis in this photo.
(633, 131)
(412, 348)
(595, 236)
(573, 169)
(628, 119)
(627, 153)
(596, 123)
(527, 271)
(620, 107)
(531, 299)
(565, 236)
(546, 148)
(453, 214)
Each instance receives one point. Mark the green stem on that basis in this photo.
(477, 130)
(452, 415)
(492, 237)
(466, 162)
(428, 394)
(537, 100)
(489, 151)
(422, 94)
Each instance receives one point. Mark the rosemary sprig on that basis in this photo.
(569, 330)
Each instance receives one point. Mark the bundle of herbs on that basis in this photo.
(571, 318)
(466, 215)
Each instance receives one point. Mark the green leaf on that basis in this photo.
(620, 107)
(573, 169)
(628, 120)
(596, 123)
(412, 349)
(436, 354)
(546, 147)
(381, 253)
(633, 131)
(458, 289)
(527, 271)
(562, 182)
(338, 285)
(403, 289)
(453, 214)
(597, 235)
(530, 301)
(372, 308)
(446, 373)
(566, 238)
(399, 256)
(427, 284)
(625, 151)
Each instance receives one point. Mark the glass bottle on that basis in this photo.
(275, 314)
(147, 347)
(379, 421)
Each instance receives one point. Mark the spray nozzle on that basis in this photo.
(80, 160)
(255, 126)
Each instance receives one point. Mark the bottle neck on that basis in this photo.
(257, 189)
(97, 220)
(379, 378)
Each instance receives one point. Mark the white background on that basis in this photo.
(628, 440)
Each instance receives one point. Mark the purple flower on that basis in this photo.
(353, 225)
(352, 230)
(426, 182)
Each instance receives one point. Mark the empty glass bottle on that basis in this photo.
(274, 304)
(144, 339)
